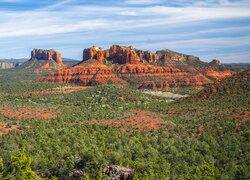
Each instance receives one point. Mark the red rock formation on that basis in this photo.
(87, 73)
(196, 81)
(106, 54)
(44, 60)
(123, 55)
(133, 66)
(94, 53)
(148, 56)
(167, 55)
(193, 58)
(218, 74)
(41, 54)
(142, 70)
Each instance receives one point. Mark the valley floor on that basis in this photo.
(74, 132)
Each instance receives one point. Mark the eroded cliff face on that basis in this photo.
(178, 80)
(44, 60)
(90, 72)
(135, 66)
(94, 53)
(123, 55)
(142, 70)
(43, 54)
(148, 56)
(218, 74)
(174, 83)
(8, 65)
(167, 55)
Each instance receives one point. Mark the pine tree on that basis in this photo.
(21, 166)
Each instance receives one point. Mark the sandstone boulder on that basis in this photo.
(118, 172)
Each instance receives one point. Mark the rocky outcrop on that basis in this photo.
(168, 55)
(197, 81)
(148, 56)
(236, 84)
(94, 53)
(215, 62)
(42, 54)
(123, 55)
(129, 55)
(8, 65)
(90, 72)
(43, 60)
(118, 172)
(142, 70)
(163, 78)
(218, 74)
(192, 58)
(128, 65)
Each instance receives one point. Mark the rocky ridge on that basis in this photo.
(8, 65)
(235, 84)
(44, 60)
(90, 72)
(41, 54)
(127, 64)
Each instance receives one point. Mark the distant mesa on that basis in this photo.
(42, 54)
(127, 64)
(8, 65)
(168, 55)
(129, 55)
(162, 70)
(44, 60)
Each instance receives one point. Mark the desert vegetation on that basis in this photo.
(90, 129)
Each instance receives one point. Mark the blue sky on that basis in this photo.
(205, 28)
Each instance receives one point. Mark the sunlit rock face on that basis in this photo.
(43, 54)
(123, 55)
(94, 53)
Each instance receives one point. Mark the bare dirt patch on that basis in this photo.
(21, 113)
(59, 90)
(135, 120)
(5, 129)
(244, 116)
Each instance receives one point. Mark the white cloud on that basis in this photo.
(74, 19)
(140, 2)
(105, 24)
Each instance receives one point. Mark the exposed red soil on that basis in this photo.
(137, 120)
(218, 74)
(59, 90)
(20, 113)
(244, 116)
(4, 129)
